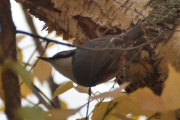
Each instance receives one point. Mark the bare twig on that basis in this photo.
(40, 49)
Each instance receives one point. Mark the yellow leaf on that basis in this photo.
(42, 70)
(63, 104)
(168, 101)
(149, 101)
(170, 94)
(130, 104)
(62, 114)
(19, 54)
(114, 93)
(132, 117)
(100, 110)
(2, 108)
(115, 116)
(51, 45)
(168, 116)
(25, 90)
(63, 88)
(34, 113)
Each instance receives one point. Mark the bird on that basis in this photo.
(99, 61)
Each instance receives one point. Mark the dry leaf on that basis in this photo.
(170, 94)
(63, 88)
(19, 38)
(82, 118)
(2, 108)
(100, 110)
(42, 70)
(168, 116)
(19, 54)
(62, 114)
(115, 116)
(63, 104)
(130, 104)
(114, 93)
(168, 101)
(149, 101)
(25, 90)
(51, 45)
(82, 89)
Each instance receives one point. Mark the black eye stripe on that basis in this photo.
(63, 54)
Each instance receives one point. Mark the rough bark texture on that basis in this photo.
(10, 81)
(88, 19)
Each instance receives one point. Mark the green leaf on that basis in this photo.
(29, 113)
(18, 69)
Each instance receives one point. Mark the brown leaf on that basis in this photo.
(19, 54)
(25, 90)
(170, 94)
(131, 104)
(62, 114)
(168, 101)
(19, 38)
(149, 101)
(63, 104)
(114, 93)
(168, 116)
(50, 45)
(82, 89)
(42, 70)
(82, 118)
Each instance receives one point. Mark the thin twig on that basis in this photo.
(90, 49)
(88, 103)
(40, 56)
(44, 95)
(44, 38)
(156, 114)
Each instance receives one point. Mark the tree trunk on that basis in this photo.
(88, 19)
(10, 81)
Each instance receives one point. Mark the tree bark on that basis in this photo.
(10, 81)
(88, 19)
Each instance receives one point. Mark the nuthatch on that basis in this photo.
(90, 67)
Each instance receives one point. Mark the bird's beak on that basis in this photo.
(45, 59)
